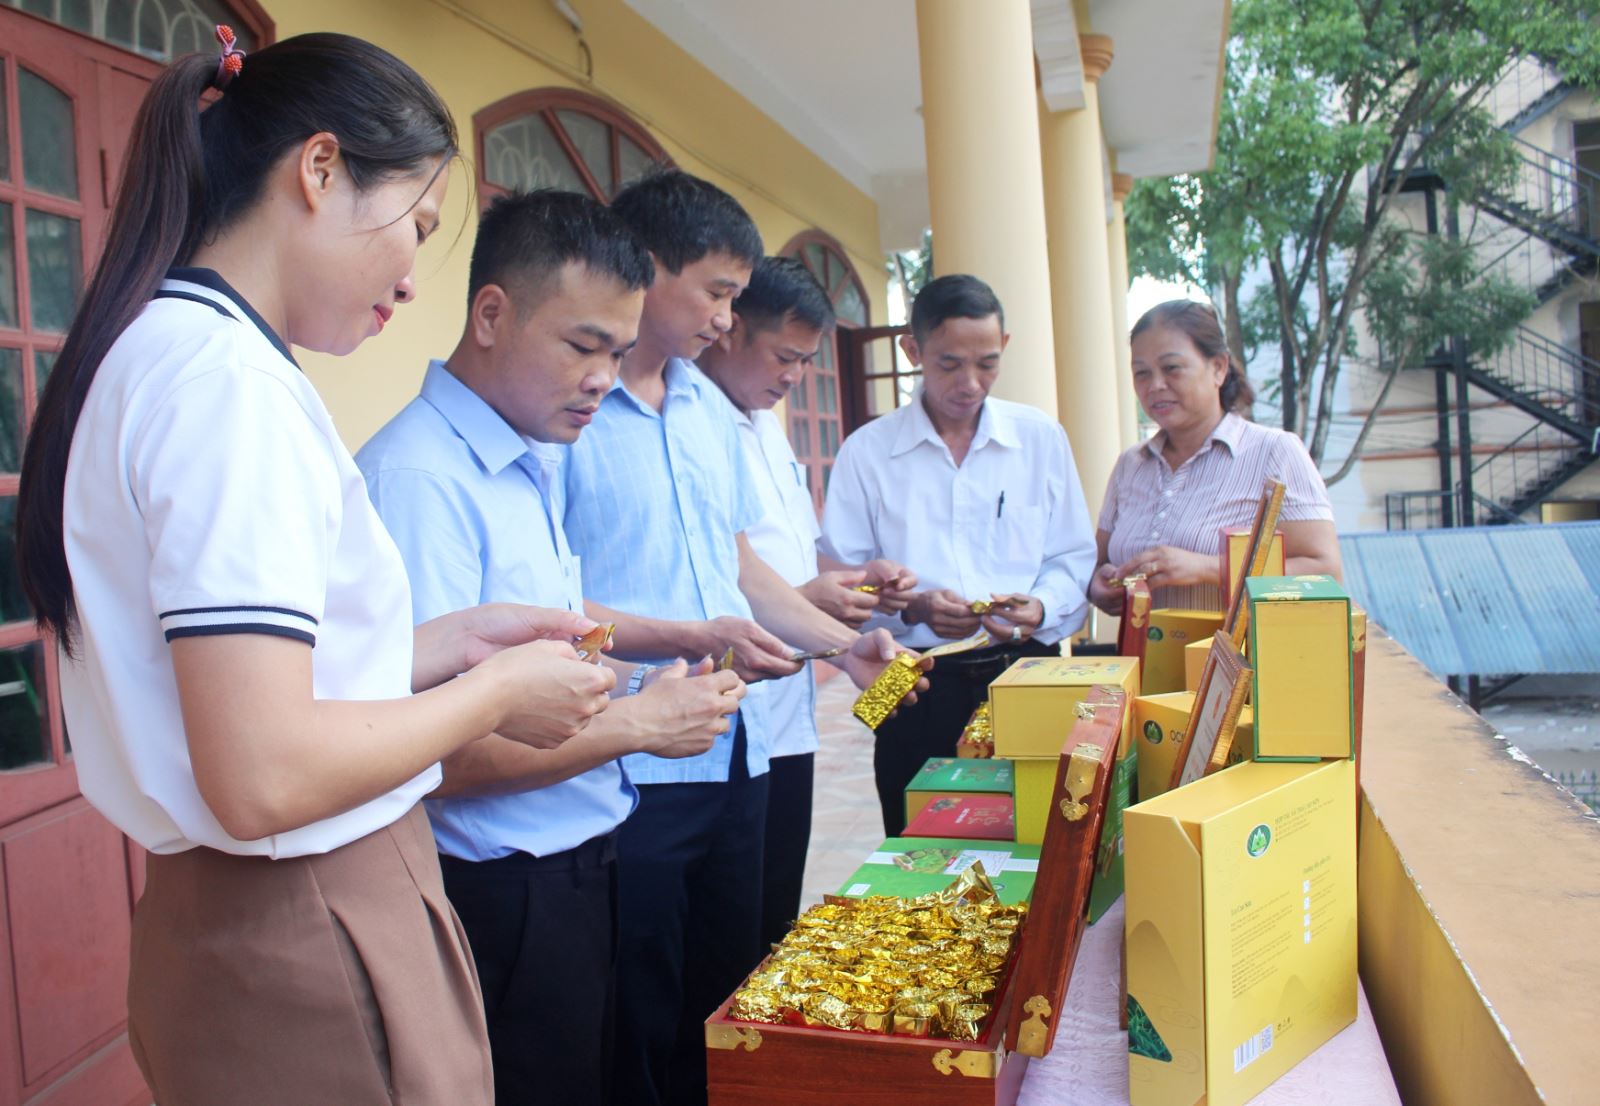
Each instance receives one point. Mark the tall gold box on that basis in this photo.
(1033, 703)
(1171, 629)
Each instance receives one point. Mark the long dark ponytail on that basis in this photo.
(190, 173)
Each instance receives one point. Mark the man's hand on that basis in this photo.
(896, 584)
(1020, 613)
(943, 611)
(871, 654)
(1106, 590)
(550, 694)
(684, 710)
(490, 627)
(1166, 566)
(833, 593)
(757, 655)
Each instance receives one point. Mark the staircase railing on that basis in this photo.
(1514, 477)
(1559, 379)
(1522, 87)
(1551, 197)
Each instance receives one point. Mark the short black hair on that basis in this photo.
(780, 289)
(681, 218)
(525, 238)
(957, 296)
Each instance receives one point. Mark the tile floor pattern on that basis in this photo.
(846, 823)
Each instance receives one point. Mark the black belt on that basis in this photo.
(593, 853)
(1005, 652)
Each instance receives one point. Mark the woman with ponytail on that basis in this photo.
(246, 695)
(1169, 498)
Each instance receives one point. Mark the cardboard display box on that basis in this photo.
(761, 1064)
(1300, 653)
(953, 777)
(1241, 930)
(1160, 722)
(1230, 566)
(1194, 662)
(1171, 629)
(967, 817)
(1032, 703)
(912, 866)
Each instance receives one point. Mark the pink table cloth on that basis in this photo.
(1089, 1064)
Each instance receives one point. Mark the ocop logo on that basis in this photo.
(1257, 842)
(1155, 633)
(1152, 732)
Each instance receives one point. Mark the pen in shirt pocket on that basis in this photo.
(999, 508)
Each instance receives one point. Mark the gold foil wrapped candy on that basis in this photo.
(977, 738)
(896, 680)
(921, 967)
(591, 645)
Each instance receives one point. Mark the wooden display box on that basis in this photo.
(756, 1064)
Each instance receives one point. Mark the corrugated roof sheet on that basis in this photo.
(1484, 601)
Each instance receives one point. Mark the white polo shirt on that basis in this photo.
(1010, 518)
(207, 492)
(786, 538)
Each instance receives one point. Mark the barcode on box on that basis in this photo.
(1249, 1052)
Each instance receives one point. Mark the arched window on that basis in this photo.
(822, 406)
(560, 138)
(158, 29)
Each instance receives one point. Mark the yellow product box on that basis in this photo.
(1171, 629)
(1241, 930)
(1033, 703)
(1159, 722)
(1300, 656)
(1231, 566)
(1194, 662)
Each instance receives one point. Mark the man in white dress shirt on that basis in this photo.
(981, 499)
(779, 322)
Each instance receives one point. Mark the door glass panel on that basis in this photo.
(816, 260)
(10, 410)
(636, 162)
(5, 136)
(523, 154)
(23, 735)
(799, 395)
(43, 361)
(49, 150)
(55, 269)
(13, 607)
(827, 393)
(8, 270)
(850, 306)
(593, 140)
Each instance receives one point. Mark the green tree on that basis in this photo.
(1327, 106)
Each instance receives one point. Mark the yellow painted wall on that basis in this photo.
(477, 52)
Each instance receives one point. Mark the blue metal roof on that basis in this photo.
(1484, 601)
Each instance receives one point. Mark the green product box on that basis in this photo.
(913, 866)
(1107, 886)
(1301, 678)
(952, 777)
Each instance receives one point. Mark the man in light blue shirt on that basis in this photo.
(658, 500)
(466, 478)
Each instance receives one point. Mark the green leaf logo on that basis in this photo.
(1152, 732)
(1155, 633)
(1257, 842)
(1143, 1040)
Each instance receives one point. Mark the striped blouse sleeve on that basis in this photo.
(1305, 496)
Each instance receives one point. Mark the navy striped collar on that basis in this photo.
(212, 281)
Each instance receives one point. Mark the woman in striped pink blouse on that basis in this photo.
(1170, 497)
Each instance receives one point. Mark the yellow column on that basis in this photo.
(1080, 277)
(1117, 251)
(985, 193)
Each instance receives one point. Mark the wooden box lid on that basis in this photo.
(1058, 913)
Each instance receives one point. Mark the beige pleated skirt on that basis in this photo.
(334, 980)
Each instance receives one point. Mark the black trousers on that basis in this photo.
(931, 726)
(543, 930)
(783, 868)
(689, 860)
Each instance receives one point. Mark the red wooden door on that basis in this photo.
(68, 879)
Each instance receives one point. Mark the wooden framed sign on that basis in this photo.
(1256, 551)
(1209, 737)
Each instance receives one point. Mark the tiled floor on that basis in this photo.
(846, 823)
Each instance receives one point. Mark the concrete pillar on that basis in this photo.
(985, 191)
(1080, 278)
(1117, 251)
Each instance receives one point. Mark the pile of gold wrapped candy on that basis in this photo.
(924, 967)
(977, 739)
